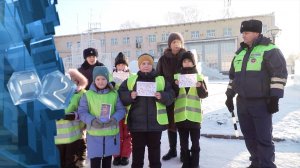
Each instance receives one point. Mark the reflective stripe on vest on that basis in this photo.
(161, 111)
(70, 131)
(255, 59)
(188, 105)
(95, 102)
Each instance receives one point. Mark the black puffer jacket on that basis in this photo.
(87, 70)
(142, 114)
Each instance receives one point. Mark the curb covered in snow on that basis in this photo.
(233, 137)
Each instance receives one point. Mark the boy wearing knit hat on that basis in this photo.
(188, 116)
(147, 116)
(121, 73)
(90, 56)
(168, 64)
(101, 100)
(69, 139)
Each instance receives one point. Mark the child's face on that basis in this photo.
(146, 66)
(121, 67)
(91, 60)
(187, 63)
(100, 82)
(176, 46)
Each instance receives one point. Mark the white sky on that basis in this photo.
(76, 14)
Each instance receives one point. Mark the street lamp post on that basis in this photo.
(274, 32)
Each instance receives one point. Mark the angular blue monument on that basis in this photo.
(27, 129)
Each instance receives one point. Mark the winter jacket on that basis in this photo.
(87, 70)
(201, 91)
(168, 65)
(99, 146)
(142, 114)
(257, 72)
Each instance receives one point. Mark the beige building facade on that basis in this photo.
(214, 41)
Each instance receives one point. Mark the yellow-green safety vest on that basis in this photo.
(95, 102)
(70, 131)
(255, 60)
(188, 105)
(161, 111)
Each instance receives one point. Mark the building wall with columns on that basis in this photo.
(215, 41)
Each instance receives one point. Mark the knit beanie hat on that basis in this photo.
(90, 52)
(120, 59)
(76, 76)
(145, 57)
(251, 26)
(100, 71)
(187, 55)
(175, 36)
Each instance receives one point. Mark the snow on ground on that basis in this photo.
(226, 153)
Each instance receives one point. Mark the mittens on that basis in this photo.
(273, 105)
(229, 104)
(70, 116)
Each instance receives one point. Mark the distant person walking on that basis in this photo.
(257, 75)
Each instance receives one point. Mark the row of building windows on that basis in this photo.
(211, 33)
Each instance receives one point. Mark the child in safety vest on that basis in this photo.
(69, 139)
(146, 96)
(120, 73)
(101, 109)
(188, 112)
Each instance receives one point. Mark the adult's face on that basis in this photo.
(91, 60)
(249, 37)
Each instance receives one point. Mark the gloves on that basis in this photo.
(229, 104)
(273, 105)
(70, 116)
(112, 122)
(97, 123)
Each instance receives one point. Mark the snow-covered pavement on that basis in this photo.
(226, 153)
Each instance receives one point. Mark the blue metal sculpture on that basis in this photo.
(26, 42)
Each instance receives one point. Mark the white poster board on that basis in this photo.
(145, 89)
(187, 80)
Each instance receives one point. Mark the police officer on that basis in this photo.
(257, 75)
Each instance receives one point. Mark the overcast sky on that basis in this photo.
(76, 14)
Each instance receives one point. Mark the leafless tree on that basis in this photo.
(129, 24)
(186, 14)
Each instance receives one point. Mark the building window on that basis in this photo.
(195, 34)
(264, 29)
(78, 44)
(114, 41)
(138, 41)
(69, 45)
(152, 52)
(227, 32)
(102, 42)
(164, 37)
(210, 33)
(152, 38)
(126, 40)
(126, 53)
(138, 53)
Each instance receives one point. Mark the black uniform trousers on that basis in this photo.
(256, 126)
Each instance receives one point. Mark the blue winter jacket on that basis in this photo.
(100, 146)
